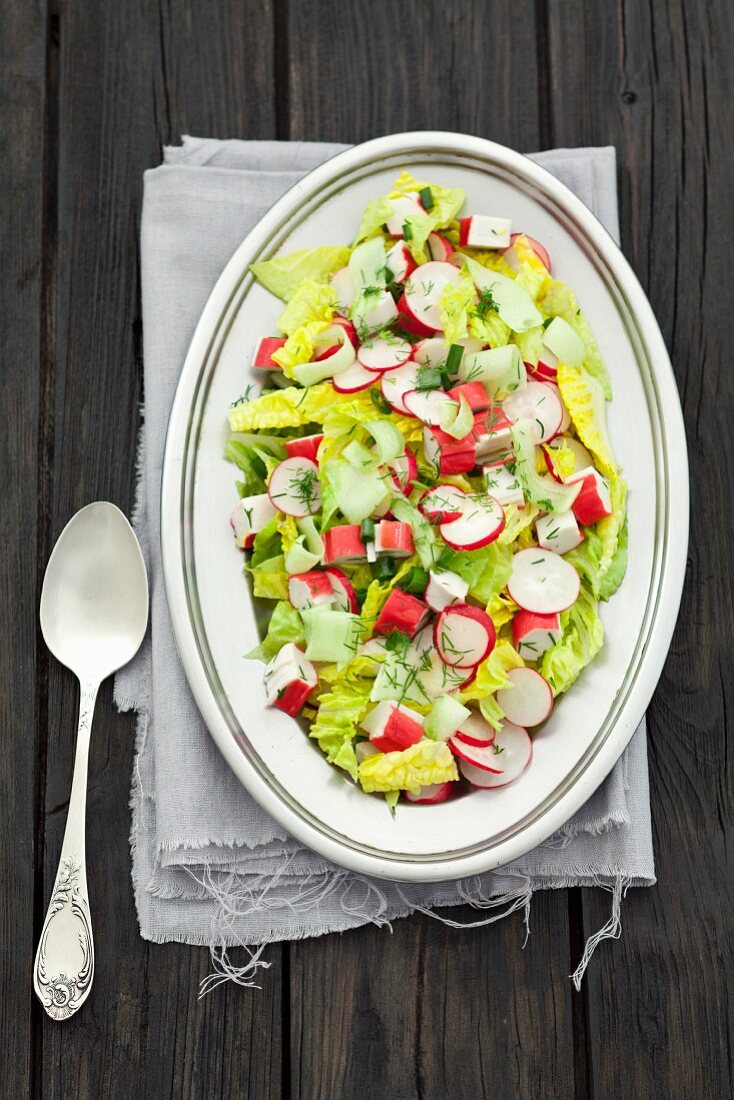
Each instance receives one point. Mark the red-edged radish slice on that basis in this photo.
(566, 417)
(444, 503)
(384, 353)
(533, 634)
(581, 456)
(558, 531)
(512, 751)
(345, 598)
(484, 757)
(396, 383)
(399, 262)
(404, 207)
(312, 589)
(380, 310)
(543, 582)
(431, 794)
(305, 447)
(593, 501)
(482, 521)
(464, 635)
(476, 731)
(394, 538)
(249, 517)
(343, 544)
(449, 456)
(541, 373)
(342, 285)
(445, 588)
(403, 612)
(393, 727)
(503, 485)
(409, 321)
(263, 357)
(528, 699)
(539, 403)
(431, 352)
(439, 248)
(404, 470)
(437, 678)
(540, 250)
(294, 487)
(474, 393)
(353, 379)
(424, 289)
(429, 405)
(484, 231)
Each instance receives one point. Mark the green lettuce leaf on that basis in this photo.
(582, 638)
(340, 710)
(283, 274)
(491, 676)
(376, 213)
(284, 626)
(558, 300)
(419, 766)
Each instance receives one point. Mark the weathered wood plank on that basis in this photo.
(646, 78)
(23, 339)
(132, 77)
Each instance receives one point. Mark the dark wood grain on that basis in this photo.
(646, 78)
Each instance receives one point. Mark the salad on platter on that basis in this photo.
(427, 493)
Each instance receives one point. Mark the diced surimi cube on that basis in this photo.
(305, 447)
(493, 432)
(593, 502)
(379, 311)
(403, 208)
(474, 393)
(403, 612)
(483, 231)
(558, 531)
(343, 544)
(263, 357)
(444, 588)
(289, 679)
(312, 589)
(394, 539)
(533, 634)
(399, 262)
(449, 455)
(503, 485)
(393, 727)
(250, 515)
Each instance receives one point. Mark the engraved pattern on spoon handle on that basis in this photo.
(64, 966)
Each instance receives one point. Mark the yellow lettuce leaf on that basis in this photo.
(283, 274)
(419, 766)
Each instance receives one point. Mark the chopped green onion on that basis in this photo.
(426, 198)
(454, 358)
(367, 530)
(546, 322)
(407, 232)
(380, 402)
(415, 581)
(383, 569)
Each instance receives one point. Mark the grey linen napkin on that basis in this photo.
(209, 865)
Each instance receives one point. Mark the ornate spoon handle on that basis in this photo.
(64, 967)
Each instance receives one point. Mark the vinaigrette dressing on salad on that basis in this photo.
(428, 493)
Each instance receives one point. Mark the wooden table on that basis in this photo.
(90, 91)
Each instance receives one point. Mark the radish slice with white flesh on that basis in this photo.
(539, 403)
(540, 251)
(542, 581)
(294, 487)
(429, 405)
(345, 598)
(399, 262)
(476, 731)
(404, 470)
(384, 353)
(439, 248)
(431, 794)
(566, 416)
(464, 635)
(528, 699)
(481, 522)
(403, 208)
(443, 504)
(482, 757)
(353, 379)
(396, 383)
(424, 290)
(342, 285)
(511, 752)
(431, 352)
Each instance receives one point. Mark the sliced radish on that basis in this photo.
(431, 352)
(543, 582)
(474, 393)
(353, 379)
(409, 321)
(540, 250)
(528, 699)
(443, 503)
(404, 470)
(384, 353)
(312, 589)
(431, 675)
(378, 312)
(424, 289)
(294, 487)
(503, 485)
(566, 417)
(429, 405)
(464, 635)
(482, 757)
(445, 588)
(533, 634)
(582, 458)
(343, 544)
(399, 262)
(512, 751)
(342, 285)
(305, 447)
(476, 731)
(396, 383)
(481, 522)
(404, 207)
(539, 403)
(431, 794)
(447, 455)
(402, 612)
(439, 248)
(263, 357)
(541, 372)
(345, 598)
(594, 501)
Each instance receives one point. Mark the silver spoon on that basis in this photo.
(94, 611)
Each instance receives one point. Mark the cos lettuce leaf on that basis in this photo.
(283, 274)
(584, 398)
(582, 638)
(340, 710)
(558, 300)
(419, 766)
(284, 626)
